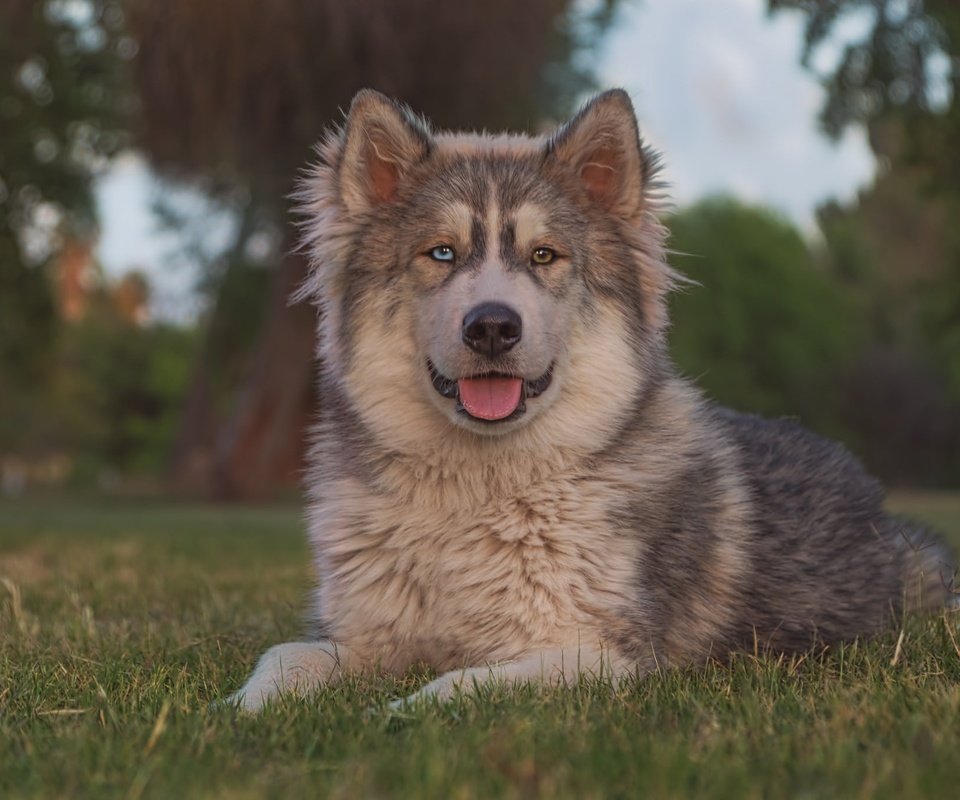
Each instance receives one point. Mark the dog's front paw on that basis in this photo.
(254, 695)
(451, 684)
(295, 667)
(439, 690)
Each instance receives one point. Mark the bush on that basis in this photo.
(764, 329)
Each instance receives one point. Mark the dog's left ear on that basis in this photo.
(602, 144)
(383, 141)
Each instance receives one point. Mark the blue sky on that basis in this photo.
(718, 89)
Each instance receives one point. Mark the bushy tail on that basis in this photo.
(930, 568)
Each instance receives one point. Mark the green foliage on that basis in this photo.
(120, 625)
(129, 381)
(940, 312)
(944, 322)
(766, 330)
(897, 249)
(62, 112)
(902, 81)
(27, 319)
(890, 72)
(112, 396)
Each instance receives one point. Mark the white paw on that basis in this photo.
(295, 667)
(449, 685)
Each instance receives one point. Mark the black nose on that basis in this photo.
(491, 329)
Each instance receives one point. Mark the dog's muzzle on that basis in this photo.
(492, 396)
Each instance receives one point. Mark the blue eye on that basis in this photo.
(442, 252)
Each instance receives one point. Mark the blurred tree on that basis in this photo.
(119, 385)
(116, 387)
(902, 81)
(898, 248)
(233, 284)
(112, 387)
(63, 110)
(764, 329)
(902, 69)
(891, 251)
(234, 94)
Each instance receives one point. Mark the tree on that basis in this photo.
(235, 93)
(898, 248)
(902, 81)
(764, 328)
(63, 112)
(117, 386)
(903, 71)
(889, 251)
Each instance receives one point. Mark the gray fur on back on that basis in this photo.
(829, 563)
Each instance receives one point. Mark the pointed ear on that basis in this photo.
(383, 140)
(602, 145)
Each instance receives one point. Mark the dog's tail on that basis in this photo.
(930, 568)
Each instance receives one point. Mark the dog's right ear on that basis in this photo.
(383, 141)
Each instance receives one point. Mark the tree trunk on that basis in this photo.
(260, 448)
(192, 464)
(191, 460)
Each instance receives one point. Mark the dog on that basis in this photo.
(510, 481)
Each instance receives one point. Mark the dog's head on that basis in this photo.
(501, 285)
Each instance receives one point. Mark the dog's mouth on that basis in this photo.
(491, 396)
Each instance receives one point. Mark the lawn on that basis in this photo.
(121, 622)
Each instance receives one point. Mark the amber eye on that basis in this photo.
(543, 255)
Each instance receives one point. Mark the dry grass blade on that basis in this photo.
(63, 712)
(158, 728)
(898, 649)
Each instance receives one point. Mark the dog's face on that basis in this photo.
(476, 281)
(495, 258)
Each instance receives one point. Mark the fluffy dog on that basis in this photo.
(510, 481)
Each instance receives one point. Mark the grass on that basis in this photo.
(120, 624)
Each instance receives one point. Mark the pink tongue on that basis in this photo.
(490, 398)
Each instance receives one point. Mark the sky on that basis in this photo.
(718, 89)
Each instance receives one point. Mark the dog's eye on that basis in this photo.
(442, 252)
(543, 255)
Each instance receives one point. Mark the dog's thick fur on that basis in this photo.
(618, 522)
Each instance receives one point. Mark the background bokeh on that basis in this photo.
(147, 149)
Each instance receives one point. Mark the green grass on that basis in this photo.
(119, 624)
